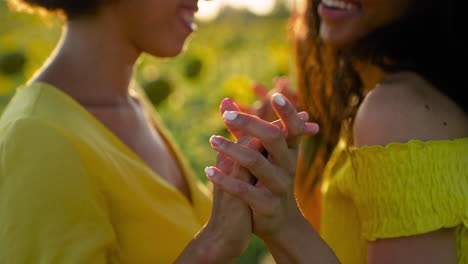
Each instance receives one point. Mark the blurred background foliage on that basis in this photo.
(225, 58)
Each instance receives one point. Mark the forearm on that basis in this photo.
(300, 244)
(204, 249)
(225, 237)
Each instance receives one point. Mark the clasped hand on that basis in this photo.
(259, 169)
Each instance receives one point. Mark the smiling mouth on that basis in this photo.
(340, 5)
(188, 17)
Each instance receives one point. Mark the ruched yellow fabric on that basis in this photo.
(72, 192)
(398, 190)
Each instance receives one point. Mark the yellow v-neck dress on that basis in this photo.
(72, 192)
(398, 190)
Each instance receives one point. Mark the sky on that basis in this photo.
(208, 10)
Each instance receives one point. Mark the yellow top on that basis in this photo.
(399, 190)
(72, 192)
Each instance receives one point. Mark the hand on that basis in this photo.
(230, 226)
(263, 108)
(227, 234)
(272, 197)
(229, 229)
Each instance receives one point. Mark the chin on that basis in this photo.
(169, 54)
(337, 39)
(167, 51)
(336, 43)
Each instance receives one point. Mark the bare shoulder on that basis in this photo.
(433, 247)
(406, 107)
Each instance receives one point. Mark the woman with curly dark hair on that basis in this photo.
(391, 161)
(389, 97)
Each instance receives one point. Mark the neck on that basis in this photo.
(93, 62)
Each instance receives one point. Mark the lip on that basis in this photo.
(184, 11)
(331, 15)
(193, 8)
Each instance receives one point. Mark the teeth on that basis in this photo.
(339, 4)
(189, 19)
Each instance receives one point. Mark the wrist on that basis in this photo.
(212, 247)
(296, 229)
(294, 243)
(299, 243)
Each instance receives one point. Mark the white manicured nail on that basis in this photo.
(279, 99)
(228, 115)
(215, 141)
(209, 171)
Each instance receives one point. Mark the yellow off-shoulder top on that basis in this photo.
(72, 192)
(398, 190)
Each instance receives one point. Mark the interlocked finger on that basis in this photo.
(256, 198)
(229, 105)
(294, 125)
(254, 161)
(270, 135)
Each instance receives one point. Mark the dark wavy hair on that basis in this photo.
(69, 8)
(429, 41)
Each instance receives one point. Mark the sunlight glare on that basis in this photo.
(261, 7)
(209, 10)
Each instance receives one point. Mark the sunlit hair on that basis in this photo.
(428, 41)
(69, 8)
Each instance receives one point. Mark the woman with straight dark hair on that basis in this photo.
(88, 173)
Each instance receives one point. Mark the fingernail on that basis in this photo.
(279, 99)
(228, 115)
(225, 100)
(304, 116)
(311, 128)
(215, 141)
(209, 171)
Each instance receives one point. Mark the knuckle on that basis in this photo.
(243, 120)
(271, 208)
(255, 160)
(274, 135)
(244, 140)
(226, 145)
(296, 128)
(282, 187)
(300, 127)
(229, 148)
(241, 188)
(284, 184)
